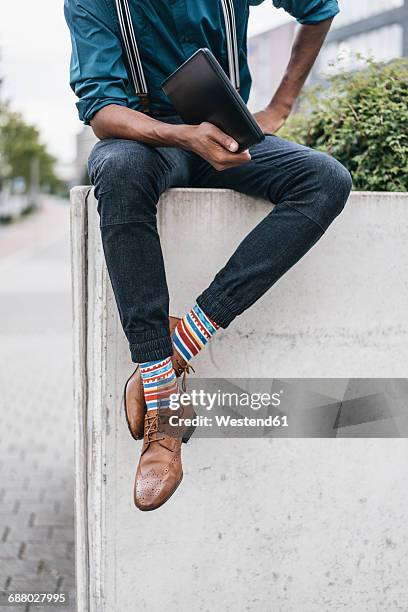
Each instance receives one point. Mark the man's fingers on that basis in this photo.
(236, 159)
(227, 157)
(221, 149)
(232, 146)
(232, 160)
(245, 155)
(224, 140)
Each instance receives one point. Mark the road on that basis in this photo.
(36, 413)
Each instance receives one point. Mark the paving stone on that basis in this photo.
(54, 519)
(34, 550)
(11, 550)
(61, 534)
(23, 519)
(24, 497)
(29, 583)
(58, 568)
(32, 534)
(21, 567)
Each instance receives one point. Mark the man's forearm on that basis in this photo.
(305, 50)
(205, 139)
(115, 121)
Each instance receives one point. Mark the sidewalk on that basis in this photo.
(36, 418)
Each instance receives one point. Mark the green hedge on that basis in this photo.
(361, 118)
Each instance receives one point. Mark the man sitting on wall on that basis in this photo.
(145, 148)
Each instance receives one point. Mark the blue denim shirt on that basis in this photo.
(168, 32)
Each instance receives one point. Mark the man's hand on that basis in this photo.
(213, 145)
(271, 119)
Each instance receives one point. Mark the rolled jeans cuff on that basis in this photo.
(151, 349)
(218, 306)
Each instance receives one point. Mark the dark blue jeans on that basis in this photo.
(309, 189)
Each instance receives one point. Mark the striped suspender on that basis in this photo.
(132, 51)
(232, 44)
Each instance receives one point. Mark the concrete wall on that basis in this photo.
(282, 525)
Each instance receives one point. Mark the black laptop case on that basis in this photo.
(201, 91)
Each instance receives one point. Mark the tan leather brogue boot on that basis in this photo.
(133, 395)
(160, 469)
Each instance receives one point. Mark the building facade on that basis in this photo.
(268, 55)
(367, 28)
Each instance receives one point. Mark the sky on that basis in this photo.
(34, 63)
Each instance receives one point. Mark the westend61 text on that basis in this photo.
(228, 421)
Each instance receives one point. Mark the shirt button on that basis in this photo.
(186, 39)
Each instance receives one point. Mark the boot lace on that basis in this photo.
(183, 369)
(151, 426)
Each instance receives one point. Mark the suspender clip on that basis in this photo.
(145, 102)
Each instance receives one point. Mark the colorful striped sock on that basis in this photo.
(193, 332)
(159, 382)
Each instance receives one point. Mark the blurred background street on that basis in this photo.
(36, 416)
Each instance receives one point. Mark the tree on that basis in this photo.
(20, 144)
(361, 119)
